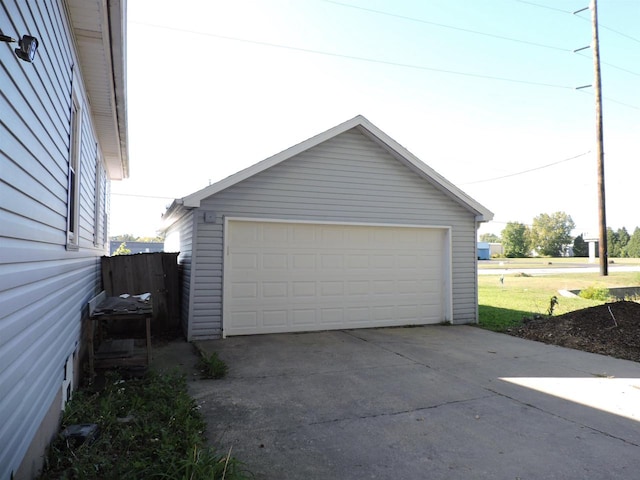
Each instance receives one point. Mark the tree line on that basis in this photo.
(127, 237)
(550, 235)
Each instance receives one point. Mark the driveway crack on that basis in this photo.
(399, 412)
(405, 357)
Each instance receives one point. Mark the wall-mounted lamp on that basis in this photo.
(27, 46)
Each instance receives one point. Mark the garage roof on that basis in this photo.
(367, 128)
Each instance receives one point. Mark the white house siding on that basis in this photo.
(348, 178)
(44, 287)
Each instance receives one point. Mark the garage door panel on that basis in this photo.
(244, 260)
(275, 290)
(272, 233)
(331, 261)
(296, 277)
(407, 312)
(301, 234)
(303, 289)
(275, 318)
(356, 261)
(275, 260)
(332, 289)
(358, 287)
(303, 316)
(245, 290)
(303, 261)
(330, 316)
(242, 320)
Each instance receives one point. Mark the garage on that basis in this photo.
(347, 229)
(299, 276)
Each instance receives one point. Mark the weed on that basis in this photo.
(553, 301)
(212, 366)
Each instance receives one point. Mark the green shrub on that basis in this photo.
(594, 292)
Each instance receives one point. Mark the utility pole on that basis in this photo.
(602, 217)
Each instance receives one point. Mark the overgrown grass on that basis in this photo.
(212, 366)
(503, 305)
(149, 428)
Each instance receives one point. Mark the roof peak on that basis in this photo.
(399, 152)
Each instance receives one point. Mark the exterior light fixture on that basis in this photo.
(27, 46)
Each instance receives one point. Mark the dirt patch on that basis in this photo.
(591, 330)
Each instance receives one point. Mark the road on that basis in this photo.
(570, 268)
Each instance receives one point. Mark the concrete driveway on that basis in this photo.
(437, 402)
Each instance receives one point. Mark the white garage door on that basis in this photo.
(292, 277)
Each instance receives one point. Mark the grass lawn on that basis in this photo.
(503, 305)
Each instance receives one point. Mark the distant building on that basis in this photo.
(496, 250)
(594, 245)
(136, 247)
(484, 251)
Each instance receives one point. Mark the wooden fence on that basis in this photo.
(155, 273)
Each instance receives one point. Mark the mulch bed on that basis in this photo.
(611, 329)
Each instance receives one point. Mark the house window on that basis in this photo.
(100, 204)
(74, 176)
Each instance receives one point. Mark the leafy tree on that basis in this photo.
(122, 250)
(551, 233)
(623, 241)
(127, 237)
(612, 242)
(490, 238)
(617, 241)
(580, 247)
(633, 247)
(157, 238)
(516, 240)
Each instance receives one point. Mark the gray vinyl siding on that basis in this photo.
(44, 287)
(184, 227)
(206, 314)
(348, 178)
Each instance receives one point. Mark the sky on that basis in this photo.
(483, 92)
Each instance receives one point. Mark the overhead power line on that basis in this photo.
(477, 32)
(362, 59)
(600, 25)
(539, 5)
(608, 99)
(451, 27)
(611, 65)
(372, 60)
(527, 171)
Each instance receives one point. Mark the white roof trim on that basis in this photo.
(370, 130)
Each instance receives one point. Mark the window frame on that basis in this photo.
(100, 207)
(73, 174)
